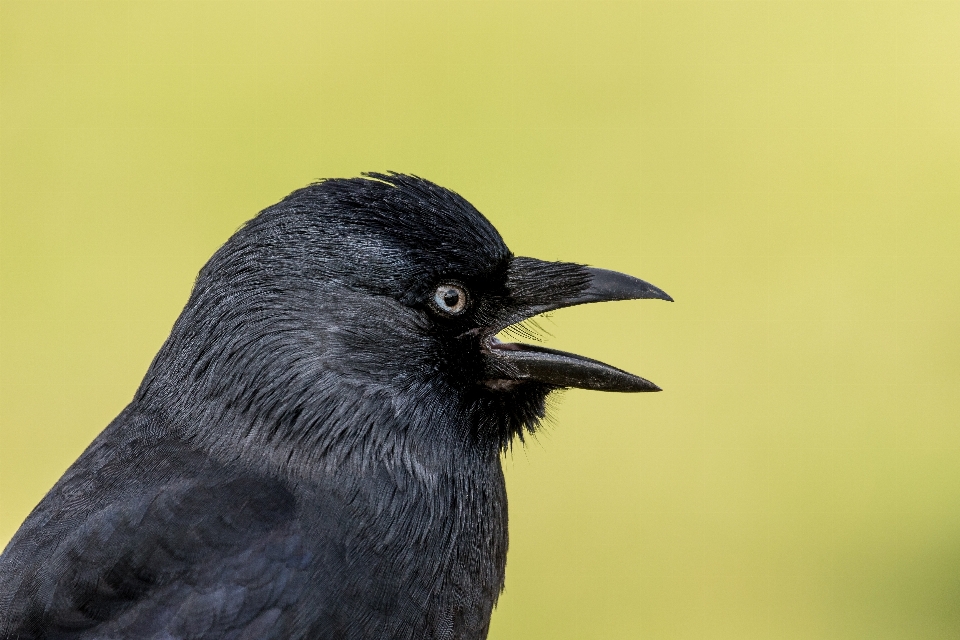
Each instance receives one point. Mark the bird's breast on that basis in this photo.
(400, 546)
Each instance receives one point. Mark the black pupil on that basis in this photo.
(451, 297)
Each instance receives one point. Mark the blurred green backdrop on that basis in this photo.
(788, 171)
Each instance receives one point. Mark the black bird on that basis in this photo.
(315, 451)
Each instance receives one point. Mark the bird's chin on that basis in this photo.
(509, 365)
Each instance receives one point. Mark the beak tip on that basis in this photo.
(658, 293)
(606, 285)
(649, 387)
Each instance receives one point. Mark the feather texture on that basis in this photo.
(311, 453)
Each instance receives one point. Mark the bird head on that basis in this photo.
(391, 288)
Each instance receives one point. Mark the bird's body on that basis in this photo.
(394, 553)
(314, 453)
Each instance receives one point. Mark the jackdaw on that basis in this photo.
(315, 451)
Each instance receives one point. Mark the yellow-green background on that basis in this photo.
(788, 171)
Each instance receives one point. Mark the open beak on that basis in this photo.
(537, 287)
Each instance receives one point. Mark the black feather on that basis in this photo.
(311, 453)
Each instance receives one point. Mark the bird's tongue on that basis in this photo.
(512, 361)
(496, 343)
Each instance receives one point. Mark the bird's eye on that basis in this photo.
(450, 299)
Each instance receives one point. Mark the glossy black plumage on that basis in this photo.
(314, 452)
